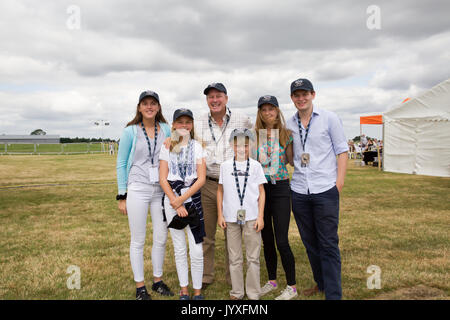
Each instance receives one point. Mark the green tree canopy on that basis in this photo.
(38, 132)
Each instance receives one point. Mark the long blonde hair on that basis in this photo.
(176, 139)
(280, 125)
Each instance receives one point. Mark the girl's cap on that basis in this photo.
(148, 93)
(268, 99)
(182, 112)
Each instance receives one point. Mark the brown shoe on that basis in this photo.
(234, 298)
(311, 291)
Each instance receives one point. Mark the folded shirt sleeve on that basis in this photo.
(337, 134)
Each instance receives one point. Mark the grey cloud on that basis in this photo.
(176, 48)
(232, 38)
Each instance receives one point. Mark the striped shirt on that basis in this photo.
(219, 150)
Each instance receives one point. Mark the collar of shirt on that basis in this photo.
(226, 117)
(218, 152)
(316, 112)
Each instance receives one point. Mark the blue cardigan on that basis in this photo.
(125, 155)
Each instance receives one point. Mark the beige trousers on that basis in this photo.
(209, 204)
(236, 234)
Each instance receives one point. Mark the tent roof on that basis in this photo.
(433, 104)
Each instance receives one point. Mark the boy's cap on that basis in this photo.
(216, 85)
(148, 93)
(182, 112)
(241, 133)
(268, 99)
(301, 84)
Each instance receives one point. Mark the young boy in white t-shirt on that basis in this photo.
(240, 202)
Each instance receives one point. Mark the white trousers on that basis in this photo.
(139, 198)
(180, 249)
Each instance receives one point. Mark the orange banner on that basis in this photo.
(378, 119)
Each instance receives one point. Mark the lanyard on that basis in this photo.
(223, 130)
(241, 196)
(270, 149)
(300, 130)
(182, 165)
(148, 141)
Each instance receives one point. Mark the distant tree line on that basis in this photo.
(358, 138)
(78, 140)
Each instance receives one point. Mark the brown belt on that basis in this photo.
(213, 179)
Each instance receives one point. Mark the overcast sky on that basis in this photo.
(61, 74)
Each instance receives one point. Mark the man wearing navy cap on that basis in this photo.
(214, 128)
(317, 180)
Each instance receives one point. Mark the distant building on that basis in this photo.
(39, 139)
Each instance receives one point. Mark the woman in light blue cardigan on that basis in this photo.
(139, 189)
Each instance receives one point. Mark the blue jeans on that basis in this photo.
(317, 218)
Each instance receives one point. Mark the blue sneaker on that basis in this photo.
(199, 297)
(142, 294)
(184, 296)
(161, 288)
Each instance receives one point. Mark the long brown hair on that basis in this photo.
(280, 125)
(138, 117)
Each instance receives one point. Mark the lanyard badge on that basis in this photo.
(152, 155)
(304, 157)
(153, 172)
(241, 211)
(182, 165)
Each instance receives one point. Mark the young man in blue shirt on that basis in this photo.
(320, 162)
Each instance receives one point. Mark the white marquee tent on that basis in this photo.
(417, 134)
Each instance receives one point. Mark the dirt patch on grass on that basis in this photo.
(420, 292)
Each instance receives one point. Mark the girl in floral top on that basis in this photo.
(274, 152)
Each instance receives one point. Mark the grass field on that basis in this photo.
(52, 148)
(398, 222)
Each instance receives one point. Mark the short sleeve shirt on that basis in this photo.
(176, 161)
(231, 201)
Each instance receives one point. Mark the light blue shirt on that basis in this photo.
(326, 139)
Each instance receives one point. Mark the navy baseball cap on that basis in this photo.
(241, 133)
(216, 85)
(182, 112)
(268, 99)
(148, 93)
(301, 84)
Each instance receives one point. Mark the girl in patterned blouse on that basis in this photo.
(274, 151)
(182, 174)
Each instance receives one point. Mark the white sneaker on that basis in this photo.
(287, 294)
(267, 288)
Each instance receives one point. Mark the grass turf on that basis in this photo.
(395, 221)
